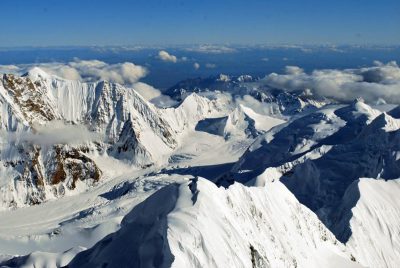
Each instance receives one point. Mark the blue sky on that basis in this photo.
(122, 22)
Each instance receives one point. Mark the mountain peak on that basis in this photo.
(36, 72)
(386, 122)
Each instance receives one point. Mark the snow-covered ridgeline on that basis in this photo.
(197, 224)
(128, 128)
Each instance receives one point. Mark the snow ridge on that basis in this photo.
(237, 227)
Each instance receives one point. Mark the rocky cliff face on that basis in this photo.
(40, 173)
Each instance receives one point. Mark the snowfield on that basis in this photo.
(292, 181)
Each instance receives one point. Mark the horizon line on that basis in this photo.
(187, 45)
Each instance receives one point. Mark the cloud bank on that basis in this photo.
(53, 132)
(381, 81)
(211, 49)
(85, 70)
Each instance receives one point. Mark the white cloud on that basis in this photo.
(163, 101)
(264, 108)
(146, 91)
(153, 95)
(378, 63)
(371, 83)
(196, 65)
(86, 70)
(53, 132)
(165, 56)
(335, 49)
(9, 69)
(211, 65)
(381, 72)
(211, 49)
(265, 59)
(61, 70)
(123, 73)
(293, 70)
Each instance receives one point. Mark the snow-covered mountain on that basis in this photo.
(127, 127)
(276, 101)
(201, 225)
(322, 158)
(236, 175)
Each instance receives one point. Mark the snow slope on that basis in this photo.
(196, 224)
(374, 224)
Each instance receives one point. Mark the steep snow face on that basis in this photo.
(129, 128)
(241, 123)
(234, 126)
(374, 223)
(287, 141)
(197, 224)
(262, 123)
(244, 122)
(193, 109)
(104, 106)
(141, 241)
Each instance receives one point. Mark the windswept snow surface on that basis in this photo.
(197, 224)
(375, 239)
